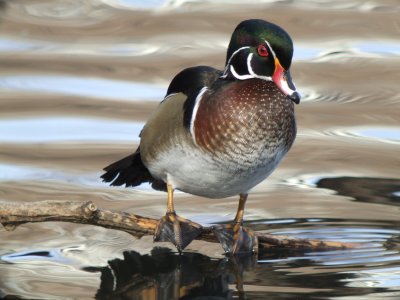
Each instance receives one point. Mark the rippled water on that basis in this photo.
(78, 79)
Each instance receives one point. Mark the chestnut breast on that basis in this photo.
(244, 120)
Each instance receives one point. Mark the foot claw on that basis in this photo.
(179, 231)
(236, 239)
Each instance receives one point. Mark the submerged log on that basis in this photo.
(14, 214)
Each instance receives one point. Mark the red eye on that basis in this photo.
(262, 50)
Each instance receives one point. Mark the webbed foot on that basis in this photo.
(177, 230)
(236, 239)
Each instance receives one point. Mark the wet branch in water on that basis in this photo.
(14, 214)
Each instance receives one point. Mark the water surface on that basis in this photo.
(78, 79)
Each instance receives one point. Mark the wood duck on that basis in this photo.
(218, 133)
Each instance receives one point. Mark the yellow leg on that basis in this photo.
(240, 210)
(173, 228)
(238, 223)
(170, 201)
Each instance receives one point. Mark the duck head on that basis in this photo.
(260, 49)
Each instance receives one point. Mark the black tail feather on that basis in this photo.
(132, 172)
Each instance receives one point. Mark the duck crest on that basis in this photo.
(244, 117)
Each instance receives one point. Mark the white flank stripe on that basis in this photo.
(194, 113)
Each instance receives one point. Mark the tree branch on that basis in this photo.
(14, 214)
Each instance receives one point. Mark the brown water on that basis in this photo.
(79, 77)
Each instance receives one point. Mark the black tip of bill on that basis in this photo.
(295, 97)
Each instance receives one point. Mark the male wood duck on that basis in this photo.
(218, 133)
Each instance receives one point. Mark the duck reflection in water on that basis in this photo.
(165, 275)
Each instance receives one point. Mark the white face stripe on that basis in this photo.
(240, 77)
(272, 50)
(251, 74)
(234, 53)
(229, 60)
(194, 113)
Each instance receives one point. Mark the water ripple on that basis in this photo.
(371, 250)
(347, 49)
(134, 4)
(364, 48)
(67, 129)
(383, 134)
(83, 86)
(379, 277)
(9, 172)
(36, 47)
(36, 255)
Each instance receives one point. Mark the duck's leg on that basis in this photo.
(172, 228)
(235, 238)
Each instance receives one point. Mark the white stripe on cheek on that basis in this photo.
(252, 73)
(229, 60)
(241, 77)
